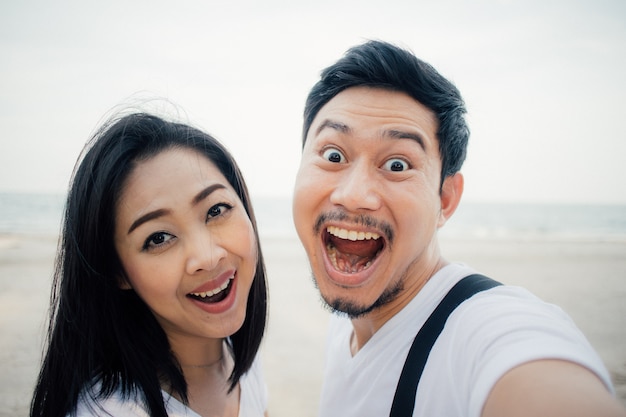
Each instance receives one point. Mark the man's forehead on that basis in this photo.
(385, 113)
(367, 102)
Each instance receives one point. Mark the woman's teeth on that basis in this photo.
(215, 291)
(351, 234)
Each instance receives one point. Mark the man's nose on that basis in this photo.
(357, 188)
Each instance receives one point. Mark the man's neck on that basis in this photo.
(366, 326)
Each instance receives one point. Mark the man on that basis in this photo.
(384, 140)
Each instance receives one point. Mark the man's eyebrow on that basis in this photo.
(391, 133)
(146, 218)
(400, 134)
(332, 124)
(162, 212)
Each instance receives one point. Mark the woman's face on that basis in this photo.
(186, 245)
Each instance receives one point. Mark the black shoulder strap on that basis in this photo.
(404, 399)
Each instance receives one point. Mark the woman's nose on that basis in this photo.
(204, 252)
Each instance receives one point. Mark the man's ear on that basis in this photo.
(451, 192)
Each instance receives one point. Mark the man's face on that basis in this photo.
(367, 203)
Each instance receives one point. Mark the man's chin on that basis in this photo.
(354, 309)
(349, 308)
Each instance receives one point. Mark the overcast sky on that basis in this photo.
(544, 82)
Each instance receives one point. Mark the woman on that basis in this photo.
(159, 297)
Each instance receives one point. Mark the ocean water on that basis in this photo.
(42, 214)
(528, 221)
(31, 213)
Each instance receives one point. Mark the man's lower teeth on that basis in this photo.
(345, 267)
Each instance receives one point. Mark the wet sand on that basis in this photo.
(587, 279)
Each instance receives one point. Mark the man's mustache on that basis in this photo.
(360, 220)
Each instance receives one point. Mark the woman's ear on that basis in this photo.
(123, 283)
(451, 192)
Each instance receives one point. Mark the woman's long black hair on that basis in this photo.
(99, 332)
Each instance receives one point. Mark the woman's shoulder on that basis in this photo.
(115, 404)
(254, 396)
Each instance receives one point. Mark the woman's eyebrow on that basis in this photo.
(206, 192)
(147, 217)
(162, 212)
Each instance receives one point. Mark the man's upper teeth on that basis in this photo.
(213, 292)
(351, 234)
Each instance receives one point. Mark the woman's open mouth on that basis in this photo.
(213, 296)
(351, 251)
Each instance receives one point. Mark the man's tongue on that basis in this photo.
(351, 256)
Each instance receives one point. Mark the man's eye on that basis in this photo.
(333, 155)
(157, 239)
(218, 210)
(396, 165)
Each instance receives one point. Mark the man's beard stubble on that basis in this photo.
(352, 309)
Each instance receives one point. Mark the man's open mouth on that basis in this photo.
(213, 296)
(351, 251)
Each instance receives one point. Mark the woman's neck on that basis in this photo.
(198, 353)
(207, 368)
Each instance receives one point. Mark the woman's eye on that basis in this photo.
(157, 239)
(218, 210)
(333, 155)
(396, 165)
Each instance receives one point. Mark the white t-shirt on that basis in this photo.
(486, 336)
(252, 402)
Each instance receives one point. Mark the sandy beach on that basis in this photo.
(586, 278)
